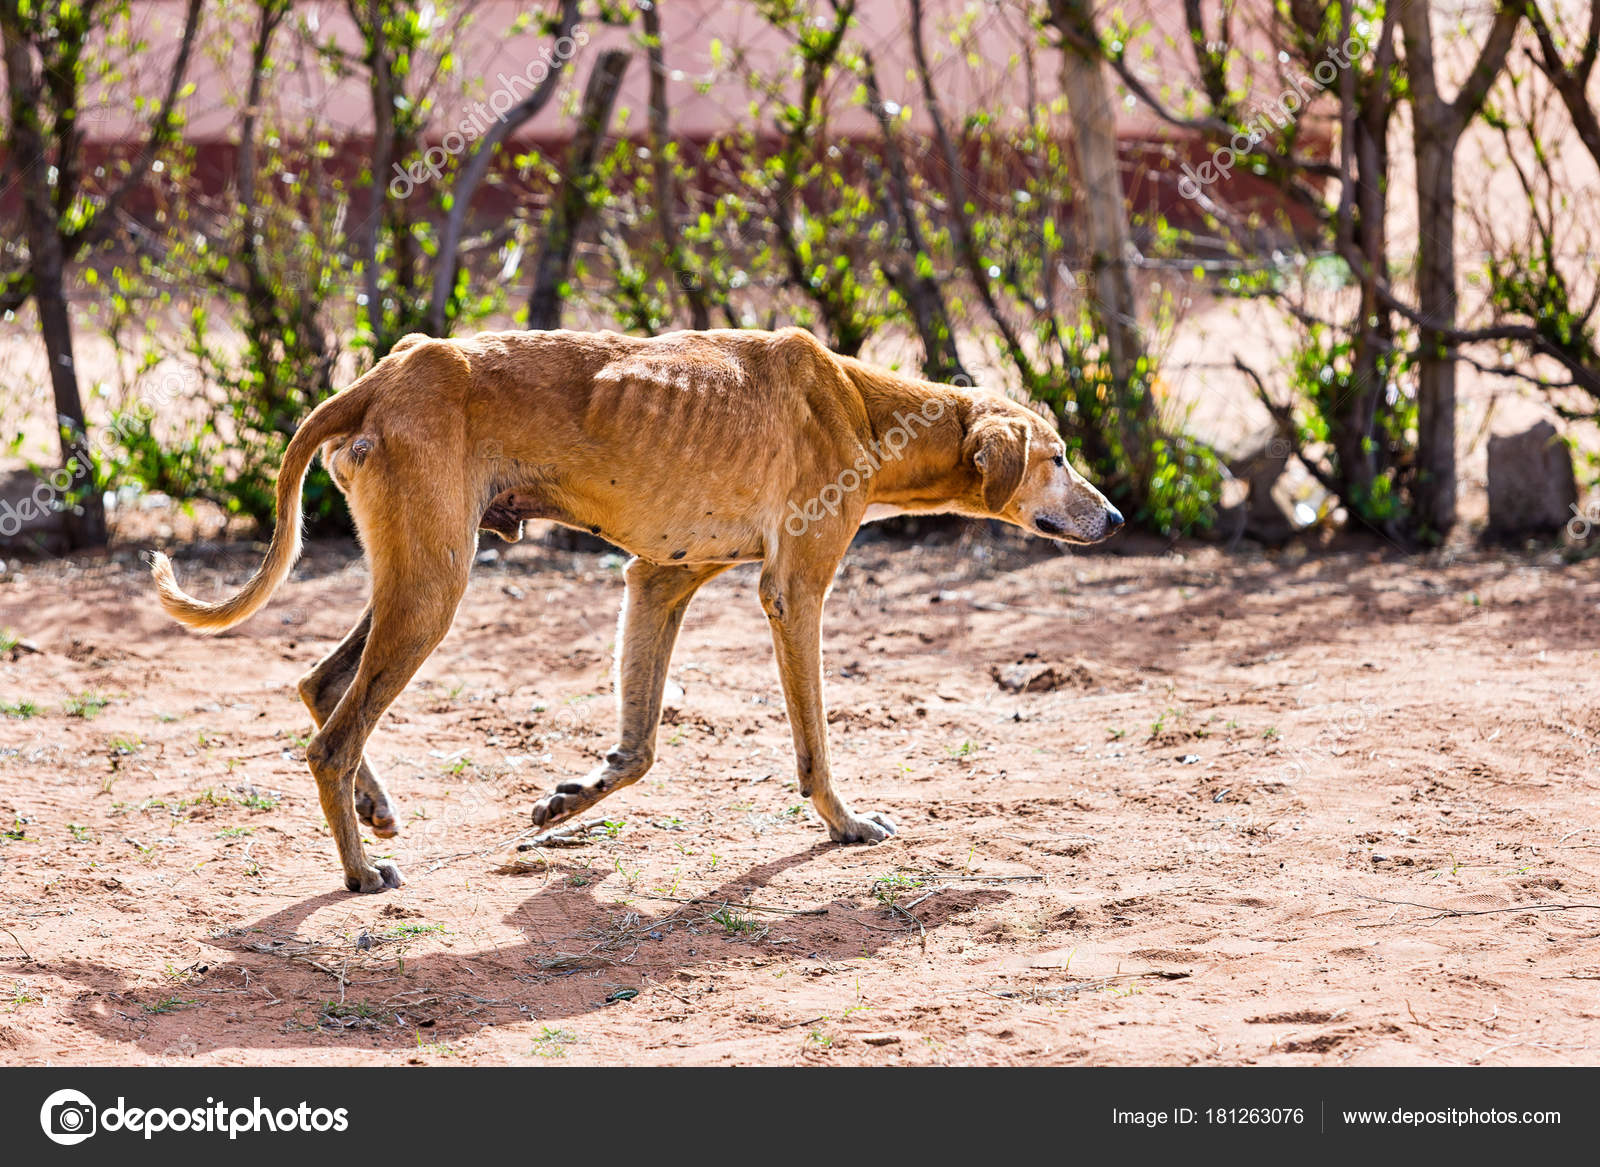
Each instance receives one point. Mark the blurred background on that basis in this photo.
(1278, 269)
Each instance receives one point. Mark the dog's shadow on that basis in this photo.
(581, 955)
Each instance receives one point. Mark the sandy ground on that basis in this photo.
(1327, 808)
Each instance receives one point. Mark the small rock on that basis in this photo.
(1030, 676)
(1531, 485)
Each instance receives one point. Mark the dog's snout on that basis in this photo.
(1113, 520)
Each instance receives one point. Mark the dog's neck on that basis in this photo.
(919, 428)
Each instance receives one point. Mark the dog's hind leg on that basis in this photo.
(653, 611)
(413, 602)
(321, 689)
(792, 593)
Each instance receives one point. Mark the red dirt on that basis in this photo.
(1228, 813)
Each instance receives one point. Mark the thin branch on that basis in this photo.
(966, 243)
(472, 173)
(1283, 415)
(941, 361)
(1470, 98)
(99, 227)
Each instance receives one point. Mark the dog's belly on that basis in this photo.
(689, 539)
(666, 531)
(878, 511)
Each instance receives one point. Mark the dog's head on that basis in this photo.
(1026, 478)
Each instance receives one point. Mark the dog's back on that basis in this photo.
(678, 447)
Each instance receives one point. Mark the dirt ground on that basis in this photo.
(1337, 807)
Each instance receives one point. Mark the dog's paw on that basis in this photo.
(621, 768)
(569, 798)
(381, 876)
(380, 819)
(871, 827)
(383, 828)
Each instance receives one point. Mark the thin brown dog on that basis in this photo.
(694, 451)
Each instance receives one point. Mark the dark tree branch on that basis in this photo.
(940, 360)
(574, 201)
(959, 197)
(661, 172)
(472, 173)
(102, 223)
(1491, 60)
(817, 59)
(1215, 129)
(1571, 82)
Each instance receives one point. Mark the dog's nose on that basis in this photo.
(1113, 520)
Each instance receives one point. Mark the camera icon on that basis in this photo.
(68, 1117)
(1584, 521)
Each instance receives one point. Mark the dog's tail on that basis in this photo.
(339, 415)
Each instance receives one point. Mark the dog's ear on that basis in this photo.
(998, 447)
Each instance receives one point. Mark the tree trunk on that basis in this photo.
(1353, 440)
(1436, 301)
(1105, 216)
(573, 201)
(86, 521)
(1436, 129)
(1364, 210)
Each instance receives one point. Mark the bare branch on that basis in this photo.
(472, 173)
(100, 226)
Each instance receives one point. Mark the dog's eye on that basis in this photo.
(1060, 459)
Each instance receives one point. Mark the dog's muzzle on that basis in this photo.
(1056, 529)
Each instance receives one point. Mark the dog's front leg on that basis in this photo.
(793, 601)
(652, 612)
